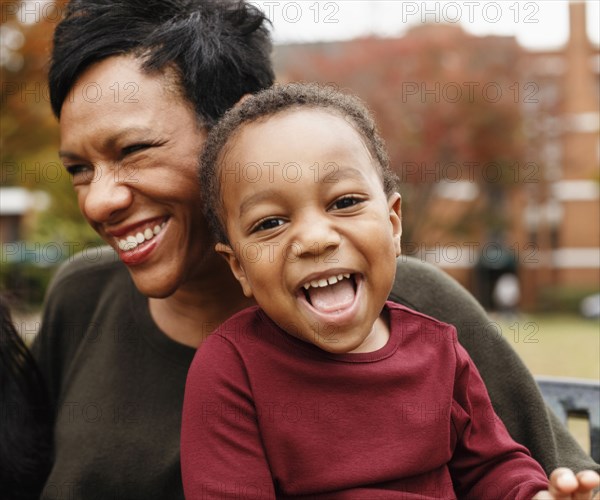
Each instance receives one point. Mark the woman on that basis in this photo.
(135, 85)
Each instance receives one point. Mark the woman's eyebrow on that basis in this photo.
(112, 139)
(68, 155)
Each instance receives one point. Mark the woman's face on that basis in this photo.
(131, 145)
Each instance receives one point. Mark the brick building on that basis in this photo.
(544, 226)
(561, 215)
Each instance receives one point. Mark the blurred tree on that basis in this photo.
(29, 137)
(447, 104)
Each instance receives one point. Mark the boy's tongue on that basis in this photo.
(332, 297)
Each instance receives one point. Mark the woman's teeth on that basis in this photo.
(332, 280)
(133, 240)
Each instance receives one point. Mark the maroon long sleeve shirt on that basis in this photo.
(269, 416)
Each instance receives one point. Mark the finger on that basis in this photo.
(588, 480)
(562, 483)
(543, 495)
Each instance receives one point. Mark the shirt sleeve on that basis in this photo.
(487, 463)
(222, 454)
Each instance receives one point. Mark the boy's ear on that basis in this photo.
(395, 208)
(228, 254)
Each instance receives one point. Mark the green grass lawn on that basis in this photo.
(557, 345)
(561, 346)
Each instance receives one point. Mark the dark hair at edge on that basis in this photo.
(26, 423)
(220, 49)
(269, 102)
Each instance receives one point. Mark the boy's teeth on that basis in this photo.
(332, 280)
(132, 241)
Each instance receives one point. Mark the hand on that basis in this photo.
(564, 485)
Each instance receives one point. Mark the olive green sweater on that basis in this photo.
(117, 382)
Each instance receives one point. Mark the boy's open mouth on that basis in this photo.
(328, 295)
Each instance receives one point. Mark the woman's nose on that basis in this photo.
(105, 197)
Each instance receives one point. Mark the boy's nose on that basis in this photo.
(317, 236)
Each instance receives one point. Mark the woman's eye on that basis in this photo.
(139, 146)
(80, 173)
(267, 224)
(134, 148)
(345, 202)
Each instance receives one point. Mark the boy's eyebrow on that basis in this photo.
(333, 175)
(257, 198)
(337, 174)
(353, 173)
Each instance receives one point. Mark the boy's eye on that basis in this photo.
(345, 202)
(267, 224)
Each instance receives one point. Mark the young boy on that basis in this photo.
(327, 390)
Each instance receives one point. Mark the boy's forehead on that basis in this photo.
(302, 116)
(311, 130)
(318, 139)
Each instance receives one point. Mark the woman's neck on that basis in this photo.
(199, 306)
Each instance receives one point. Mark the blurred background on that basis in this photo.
(491, 116)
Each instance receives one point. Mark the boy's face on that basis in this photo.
(304, 207)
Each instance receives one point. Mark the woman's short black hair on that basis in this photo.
(269, 102)
(220, 49)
